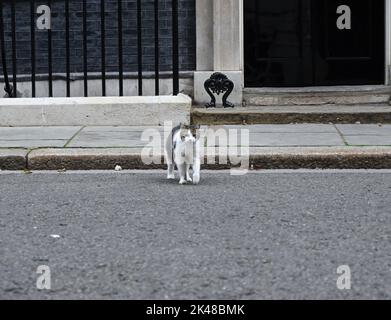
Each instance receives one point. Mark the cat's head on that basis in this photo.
(189, 133)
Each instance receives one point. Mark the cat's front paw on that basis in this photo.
(196, 179)
(171, 176)
(188, 179)
(182, 181)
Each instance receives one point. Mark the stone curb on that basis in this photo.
(87, 159)
(13, 159)
(322, 158)
(260, 158)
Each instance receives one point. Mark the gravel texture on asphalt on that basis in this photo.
(134, 235)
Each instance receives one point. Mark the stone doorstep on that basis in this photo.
(260, 158)
(343, 90)
(371, 114)
(346, 95)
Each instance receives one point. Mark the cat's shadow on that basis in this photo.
(207, 181)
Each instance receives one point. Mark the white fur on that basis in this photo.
(186, 156)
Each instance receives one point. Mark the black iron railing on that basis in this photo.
(11, 60)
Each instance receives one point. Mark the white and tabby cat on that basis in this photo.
(183, 150)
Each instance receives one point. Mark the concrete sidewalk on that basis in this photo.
(271, 146)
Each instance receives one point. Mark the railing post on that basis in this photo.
(139, 48)
(14, 66)
(157, 48)
(67, 50)
(103, 45)
(32, 46)
(8, 87)
(50, 56)
(120, 49)
(175, 47)
(85, 59)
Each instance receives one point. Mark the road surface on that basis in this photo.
(134, 235)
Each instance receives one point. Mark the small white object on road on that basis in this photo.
(118, 168)
(55, 236)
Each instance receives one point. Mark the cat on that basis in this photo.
(183, 150)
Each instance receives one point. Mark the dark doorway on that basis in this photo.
(314, 42)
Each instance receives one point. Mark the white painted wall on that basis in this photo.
(204, 34)
(219, 46)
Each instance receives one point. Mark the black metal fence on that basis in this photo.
(10, 62)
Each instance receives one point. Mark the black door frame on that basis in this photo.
(387, 48)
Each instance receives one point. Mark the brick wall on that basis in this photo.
(186, 31)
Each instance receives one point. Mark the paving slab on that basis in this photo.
(37, 133)
(32, 144)
(369, 129)
(296, 139)
(107, 139)
(284, 139)
(120, 128)
(130, 137)
(368, 140)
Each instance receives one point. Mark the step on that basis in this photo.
(342, 95)
(95, 111)
(366, 114)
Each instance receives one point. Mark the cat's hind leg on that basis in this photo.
(170, 161)
(170, 172)
(182, 173)
(197, 165)
(188, 177)
(196, 173)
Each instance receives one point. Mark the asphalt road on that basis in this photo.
(133, 235)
